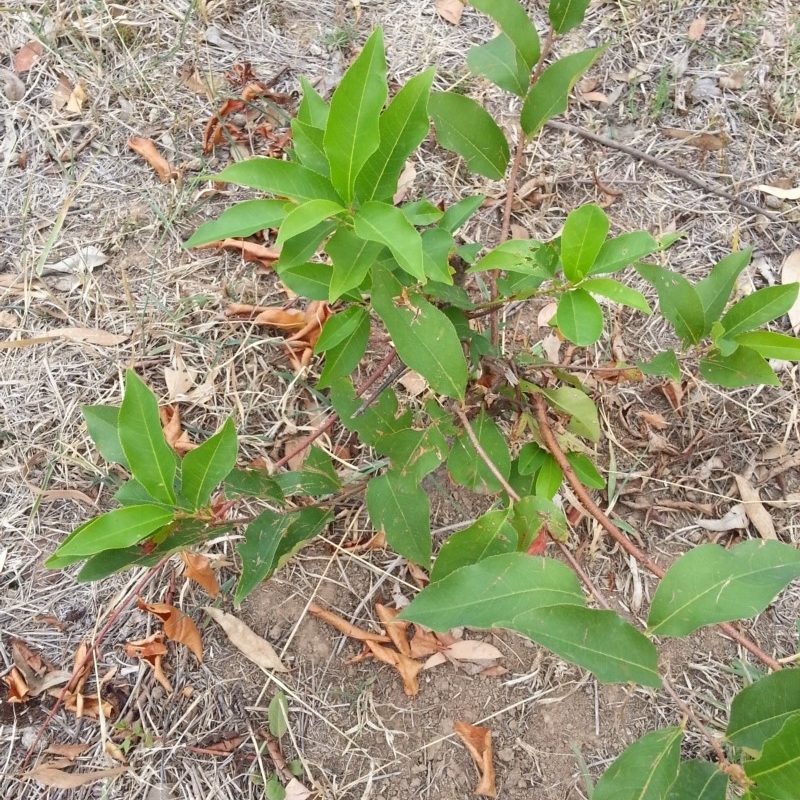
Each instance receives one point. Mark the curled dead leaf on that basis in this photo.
(177, 626)
(253, 646)
(396, 630)
(478, 742)
(176, 436)
(345, 627)
(198, 569)
(407, 668)
(152, 651)
(18, 689)
(146, 148)
(734, 519)
(27, 56)
(696, 28)
(754, 508)
(13, 87)
(47, 774)
(450, 10)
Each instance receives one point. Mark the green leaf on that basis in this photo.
(151, 459)
(500, 62)
(317, 477)
(531, 513)
(598, 640)
(524, 256)
(132, 493)
(758, 308)
(549, 95)
(399, 507)
(307, 524)
(709, 584)
(469, 469)
(617, 253)
(777, 772)
(510, 584)
(645, 770)
(114, 530)
(278, 715)
(771, 345)
(716, 288)
(456, 215)
(618, 292)
(468, 129)
(549, 477)
(586, 471)
(579, 317)
(305, 217)
(665, 363)
(258, 551)
(379, 222)
(352, 132)
(281, 178)
(103, 425)
(343, 357)
(744, 367)
(584, 233)
(513, 20)
(297, 250)
(760, 710)
(414, 453)
(437, 244)
(699, 780)
(379, 419)
(311, 280)
(531, 458)
(242, 219)
(313, 110)
(352, 257)
(205, 467)
(566, 14)
(489, 535)
(252, 483)
(424, 337)
(309, 149)
(583, 412)
(339, 327)
(422, 212)
(403, 126)
(678, 300)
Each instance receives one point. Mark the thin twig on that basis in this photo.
(616, 534)
(673, 170)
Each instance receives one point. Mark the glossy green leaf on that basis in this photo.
(414, 453)
(311, 280)
(344, 356)
(619, 252)
(500, 62)
(103, 425)
(297, 250)
(457, 214)
(548, 97)
(531, 457)
(305, 217)
(469, 469)
(151, 459)
(399, 507)
(490, 535)
(403, 126)
(468, 129)
(306, 524)
(205, 467)
(566, 14)
(510, 584)
(386, 224)
(710, 584)
(760, 710)
(531, 513)
(278, 715)
(281, 178)
(759, 308)
(313, 110)
(549, 477)
(514, 22)
(258, 551)
(678, 300)
(598, 640)
(114, 530)
(316, 478)
(582, 411)
(579, 317)
(699, 780)
(524, 256)
(777, 772)
(241, 219)
(665, 363)
(437, 244)
(771, 345)
(715, 289)
(618, 292)
(132, 493)
(744, 367)
(339, 327)
(422, 212)
(252, 483)
(380, 418)
(584, 233)
(645, 770)
(352, 257)
(352, 132)
(424, 337)
(308, 147)
(586, 471)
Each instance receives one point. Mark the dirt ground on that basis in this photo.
(69, 182)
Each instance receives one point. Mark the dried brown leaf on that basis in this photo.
(91, 336)
(76, 99)
(734, 519)
(345, 627)
(48, 775)
(146, 148)
(152, 651)
(27, 56)
(407, 668)
(472, 650)
(478, 742)
(657, 421)
(756, 513)
(790, 273)
(733, 81)
(18, 689)
(253, 646)
(424, 643)
(450, 10)
(396, 630)
(13, 87)
(177, 626)
(251, 251)
(696, 28)
(198, 569)
(778, 191)
(176, 436)
(702, 141)
(70, 751)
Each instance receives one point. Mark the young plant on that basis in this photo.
(396, 265)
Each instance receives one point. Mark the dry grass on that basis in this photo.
(355, 733)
